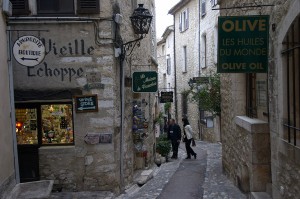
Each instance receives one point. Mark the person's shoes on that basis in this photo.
(195, 156)
(188, 158)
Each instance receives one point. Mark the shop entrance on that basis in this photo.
(39, 125)
(27, 138)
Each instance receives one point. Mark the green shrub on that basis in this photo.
(163, 145)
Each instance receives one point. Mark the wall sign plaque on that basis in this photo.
(86, 103)
(29, 50)
(96, 138)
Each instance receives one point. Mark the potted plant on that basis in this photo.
(163, 146)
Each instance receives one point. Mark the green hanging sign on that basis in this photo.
(243, 44)
(144, 82)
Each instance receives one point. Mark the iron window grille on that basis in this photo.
(291, 71)
(251, 106)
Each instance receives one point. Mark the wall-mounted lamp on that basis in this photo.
(140, 21)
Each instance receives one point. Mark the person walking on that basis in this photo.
(174, 134)
(189, 137)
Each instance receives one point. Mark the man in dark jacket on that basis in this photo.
(174, 134)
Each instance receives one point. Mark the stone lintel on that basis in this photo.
(252, 125)
(57, 150)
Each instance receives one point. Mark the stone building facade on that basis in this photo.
(80, 117)
(166, 70)
(260, 154)
(7, 173)
(185, 14)
(195, 56)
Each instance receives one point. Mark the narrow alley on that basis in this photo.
(178, 179)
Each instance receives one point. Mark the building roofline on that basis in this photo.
(179, 5)
(166, 33)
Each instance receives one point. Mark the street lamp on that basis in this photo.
(141, 21)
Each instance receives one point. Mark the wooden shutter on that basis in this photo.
(88, 6)
(187, 19)
(20, 7)
(180, 22)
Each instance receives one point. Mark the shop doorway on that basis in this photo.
(39, 124)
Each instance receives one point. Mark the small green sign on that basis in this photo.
(144, 82)
(243, 44)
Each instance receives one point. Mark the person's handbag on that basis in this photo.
(184, 138)
(193, 142)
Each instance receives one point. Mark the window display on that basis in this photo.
(45, 124)
(57, 124)
(26, 126)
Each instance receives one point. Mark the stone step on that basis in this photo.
(29, 190)
(260, 195)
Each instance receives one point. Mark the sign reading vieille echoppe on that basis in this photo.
(243, 44)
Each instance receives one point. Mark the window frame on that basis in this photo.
(203, 8)
(184, 64)
(291, 83)
(38, 107)
(59, 10)
(251, 102)
(169, 65)
(184, 20)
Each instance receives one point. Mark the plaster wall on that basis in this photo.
(7, 173)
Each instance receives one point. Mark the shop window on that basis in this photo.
(26, 126)
(57, 124)
(44, 124)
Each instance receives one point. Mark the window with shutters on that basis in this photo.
(88, 6)
(251, 95)
(20, 7)
(184, 20)
(184, 64)
(61, 7)
(203, 8)
(56, 7)
(184, 105)
(168, 65)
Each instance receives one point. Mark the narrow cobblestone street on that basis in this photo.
(188, 179)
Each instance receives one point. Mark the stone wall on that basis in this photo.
(283, 156)
(72, 45)
(190, 39)
(7, 173)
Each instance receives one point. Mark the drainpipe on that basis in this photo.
(12, 108)
(175, 83)
(199, 39)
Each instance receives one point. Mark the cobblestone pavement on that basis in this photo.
(215, 186)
